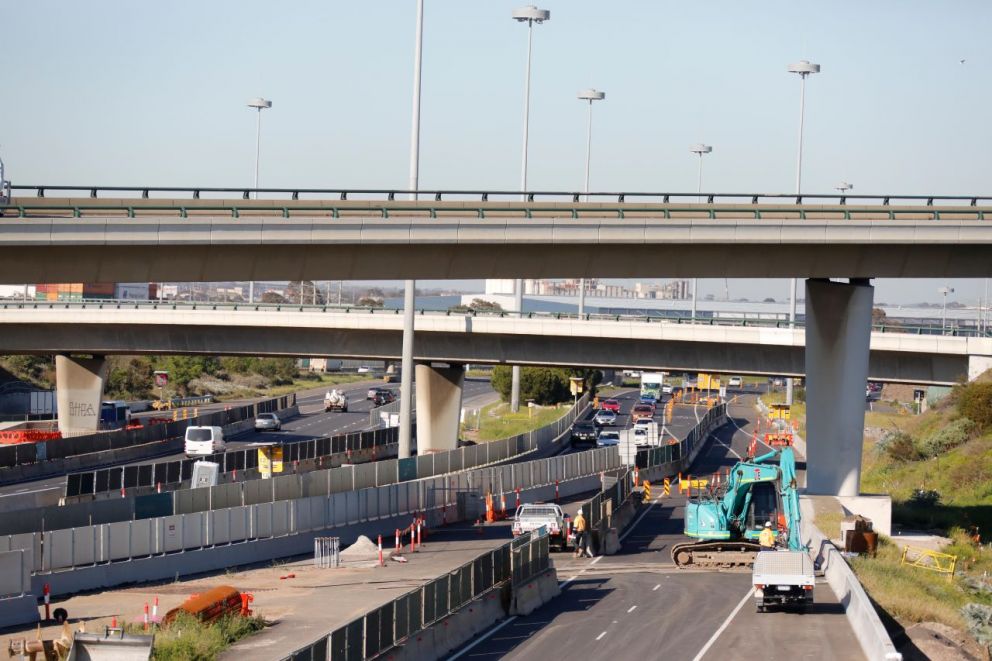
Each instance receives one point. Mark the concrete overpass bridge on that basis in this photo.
(136, 237)
(125, 327)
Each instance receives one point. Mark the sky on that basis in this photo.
(140, 93)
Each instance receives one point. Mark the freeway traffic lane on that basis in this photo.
(638, 605)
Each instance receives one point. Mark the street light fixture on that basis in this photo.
(804, 68)
(259, 104)
(589, 95)
(699, 150)
(944, 291)
(529, 15)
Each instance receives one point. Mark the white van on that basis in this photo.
(203, 441)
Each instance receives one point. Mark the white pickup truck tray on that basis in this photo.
(774, 568)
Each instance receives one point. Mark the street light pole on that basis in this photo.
(259, 104)
(699, 150)
(589, 95)
(804, 68)
(529, 15)
(944, 291)
(409, 286)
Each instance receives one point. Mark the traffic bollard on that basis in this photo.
(380, 551)
(155, 610)
(146, 616)
(47, 591)
(397, 540)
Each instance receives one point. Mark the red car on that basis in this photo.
(642, 411)
(610, 405)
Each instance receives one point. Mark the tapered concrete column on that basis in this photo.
(79, 390)
(439, 405)
(838, 334)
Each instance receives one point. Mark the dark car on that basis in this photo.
(383, 397)
(584, 432)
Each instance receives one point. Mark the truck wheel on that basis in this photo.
(60, 615)
(761, 608)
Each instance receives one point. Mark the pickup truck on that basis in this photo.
(783, 578)
(531, 516)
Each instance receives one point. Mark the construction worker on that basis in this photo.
(579, 526)
(767, 537)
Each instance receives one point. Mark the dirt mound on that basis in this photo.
(939, 642)
(363, 553)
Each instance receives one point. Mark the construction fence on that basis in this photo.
(29, 453)
(375, 632)
(170, 474)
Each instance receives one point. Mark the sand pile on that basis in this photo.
(364, 552)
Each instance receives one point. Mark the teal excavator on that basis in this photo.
(726, 521)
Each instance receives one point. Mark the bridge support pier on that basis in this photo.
(439, 405)
(79, 391)
(838, 334)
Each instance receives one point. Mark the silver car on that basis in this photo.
(604, 418)
(266, 421)
(607, 439)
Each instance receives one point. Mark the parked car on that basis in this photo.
(610, 405)
(583, 432)
(265, 421)
(666, 389)
(364, 369)
(383, 397)
(203, 441)
(736, 382)
(604, 418)
(608, 439)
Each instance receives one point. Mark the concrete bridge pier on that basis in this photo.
(439, 405)
(79, 390)
(838, 332)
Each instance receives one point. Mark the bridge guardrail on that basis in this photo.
(948, 330)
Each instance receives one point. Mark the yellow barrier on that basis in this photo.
(686, 484)
(668, 487)
(942, 563)
(647, 490)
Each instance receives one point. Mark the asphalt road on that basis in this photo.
(638, 605)
(312, 422)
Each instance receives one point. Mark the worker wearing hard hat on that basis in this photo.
(767, 537)
(579, 526)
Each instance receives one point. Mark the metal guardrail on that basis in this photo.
(743, 322)
(438, 195)
(383, 628)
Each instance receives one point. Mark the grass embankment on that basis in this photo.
(298, 384)
(498, 422)
(187, 639)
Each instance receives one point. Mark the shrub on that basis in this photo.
(924, 498)
(979, 619)
(899, 446)
(946, 438)
(974, 401)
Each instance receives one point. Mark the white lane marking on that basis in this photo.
(512, 618)
(655, 587)
(726, 623)
(600, 635)
(632, 609)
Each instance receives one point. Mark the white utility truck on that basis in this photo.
(783, 578)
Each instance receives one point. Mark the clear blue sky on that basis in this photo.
(133, 93)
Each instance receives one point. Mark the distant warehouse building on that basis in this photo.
(78, 291)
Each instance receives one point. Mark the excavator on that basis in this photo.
(726, 521)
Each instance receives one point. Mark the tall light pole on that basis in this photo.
(409, 286)
(589, 95)
(804, 68)
(259, 104)
(699, 150)
(944, 291)
(529, 15)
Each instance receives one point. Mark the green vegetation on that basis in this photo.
(187, 639)
(497, 422)
(477, 305)
(37, 370)
(798, 410)
(541, 384)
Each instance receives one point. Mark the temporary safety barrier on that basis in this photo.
(377, 631)
(326, 552)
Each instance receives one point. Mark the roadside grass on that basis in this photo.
(298, 384)
(188, 639)
(479, 372)
(498, 422)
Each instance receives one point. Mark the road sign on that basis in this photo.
(703, 381)
(575, 384)
(161, 379)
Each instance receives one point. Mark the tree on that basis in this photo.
(183, 369)
(129, 377)
(477, 305)
(879, 318)
(273, 297)
(368, 302)
(541, 384)
(769, 300)
(304, 292)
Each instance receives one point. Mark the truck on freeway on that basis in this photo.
(783, 578)
(531, 516)
(651, 384)
(335, 400)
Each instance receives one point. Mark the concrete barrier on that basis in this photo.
(868, 628)
(534, 593)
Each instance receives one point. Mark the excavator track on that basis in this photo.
(715, 555)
